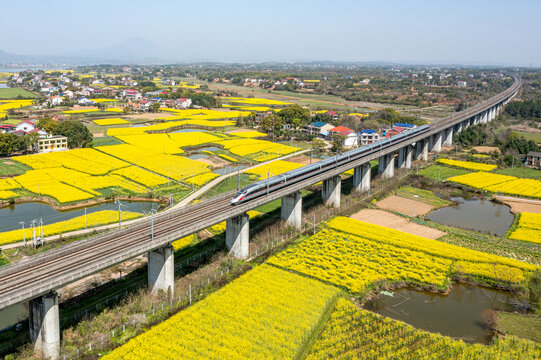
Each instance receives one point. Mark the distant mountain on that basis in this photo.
(134, 50)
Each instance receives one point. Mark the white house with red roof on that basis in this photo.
(131, 94)
(350, 136)
(25, 126)
(56, 100)
(183, 103)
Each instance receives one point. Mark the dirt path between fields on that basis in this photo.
(405, 206)
(521, 205)
(383, 218)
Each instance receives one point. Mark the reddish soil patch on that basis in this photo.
(303, 159)
(405, 206)
(519, 205)
(486, 149)
(383, 218)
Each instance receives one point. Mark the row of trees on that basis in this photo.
(11, 143)
(530, 109)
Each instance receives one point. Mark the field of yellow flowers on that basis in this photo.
(257, 150)
(268, 313)
(168, 125)
(353, 333)
(93, 219)
(253, 101)
(354, 255)
(468, 164)
(274, 168)
(111, 121)
(6, 105)
(529, 228)
(500, 183)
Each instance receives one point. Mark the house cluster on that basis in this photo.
(45, 143)
(352, 138)
(533, 159)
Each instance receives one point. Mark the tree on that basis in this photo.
(77, 134)
(337, 141)
(323, 117)
(154, 107)
(318, 146)
(295, 115)
(47, 124)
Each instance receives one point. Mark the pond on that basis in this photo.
(475, 214)
(229, 169)
(197, 157)
(211, 149)
(459, 314)
(12, 215)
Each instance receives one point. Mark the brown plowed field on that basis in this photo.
(405, 206)
(383, 218)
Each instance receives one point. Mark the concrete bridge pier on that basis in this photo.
(421, 150)
(291, 210)
(361, 178)
(436, 146)
(459, 127)
(404, 157)
(484, 118)
(161, 270)
(448, 140)
(331, 190)
(44, 321)
(237, 235)
(386, 166)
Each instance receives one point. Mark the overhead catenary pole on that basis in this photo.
(24, 237)
(119, 212)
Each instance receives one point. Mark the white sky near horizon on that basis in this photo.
(473, 32)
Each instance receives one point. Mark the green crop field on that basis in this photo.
(521, 172)
(531, 136)
(13, 93)
(439, 172)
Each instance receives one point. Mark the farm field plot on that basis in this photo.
(169, 126)
(267, 313)
(257, 150)
(529, 228)
(354, 254)
(199, 114)
(421, 195)
(405, 206)
(93, 219)
(253, 101)
(12, 93)
(519, 205)
(170, 166)
(169, 143)
(468, 165)
(521, 172)
(247, 134)
(353, 333)
(110, 121)
(500, 183)
(274, 168)
(384, 218)
(437, 172)
(6, 105)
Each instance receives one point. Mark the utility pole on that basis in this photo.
(117, 201)
(33, 231)
(152, 212)
(24, 237)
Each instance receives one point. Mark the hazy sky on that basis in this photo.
(452, 31)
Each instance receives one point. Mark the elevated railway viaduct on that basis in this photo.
(36, 279)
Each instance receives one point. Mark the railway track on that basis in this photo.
(18, 281)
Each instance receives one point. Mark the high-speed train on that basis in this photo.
(274, 183)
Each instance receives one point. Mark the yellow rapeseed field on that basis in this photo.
(249, 134)
(168, 126)
(265, 314)
(353, 333)
(500, 183)
(6, 105)
(111, 121)
(355, 255)
(92, 219)
(274, 168)
(254, 101)
(257, 150)
(80, 111)
(529, 228)
(468, 164)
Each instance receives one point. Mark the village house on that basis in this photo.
(533, 158)
(350, 137)
(183, 103)
(25, 126)
(51, 143)
(318, 128)
(56, 100)
(7, 128)
(369, 136)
